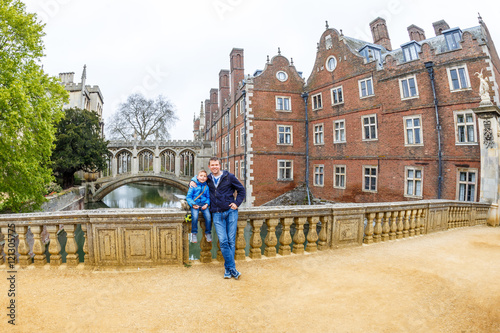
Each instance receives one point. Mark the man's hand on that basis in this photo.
(192, 184)
(233, 205)
(204, 207)
(196, 206)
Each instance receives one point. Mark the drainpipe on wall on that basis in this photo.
(228, 112)
(305, 96)
(244, 93)
(430, 69)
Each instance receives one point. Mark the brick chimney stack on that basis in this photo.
(223, 86)
(416, 33)
(380, 33)
(237, 70)
(440, 26)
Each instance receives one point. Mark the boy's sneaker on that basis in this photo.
(209, 237)
(227, 274)
(194, 239)
(235, 273)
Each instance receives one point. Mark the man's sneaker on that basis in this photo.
(227, 274)
(194, 239)
(209, 237)
(235, 273)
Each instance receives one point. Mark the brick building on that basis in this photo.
(371, 123)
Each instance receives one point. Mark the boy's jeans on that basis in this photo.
(226, 224)
(194, 220)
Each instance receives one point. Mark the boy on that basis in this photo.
(198, 199)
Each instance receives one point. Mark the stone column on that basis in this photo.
(177, 165)
(490, 158)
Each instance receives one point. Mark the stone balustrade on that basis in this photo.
(152, 237)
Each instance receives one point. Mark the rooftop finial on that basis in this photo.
(341, 33)
(327, 25)
(479, 18)
(279, 51)
(291, 60)
(268, 58)
(84, 74)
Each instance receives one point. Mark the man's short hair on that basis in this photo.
(215, 158)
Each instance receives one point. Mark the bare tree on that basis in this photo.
(144, 118)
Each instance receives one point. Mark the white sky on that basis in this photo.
(177, 48)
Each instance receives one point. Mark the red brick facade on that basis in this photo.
(377, 141)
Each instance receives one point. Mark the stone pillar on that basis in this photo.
(490, 158)
(177, 165)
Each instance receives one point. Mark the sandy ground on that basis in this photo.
(443, 282)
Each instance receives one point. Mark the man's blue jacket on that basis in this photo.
(222, 196)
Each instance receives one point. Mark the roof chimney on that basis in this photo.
(380, 33)
(416, 33)
(440, 26)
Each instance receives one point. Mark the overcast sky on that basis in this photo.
(177, 48)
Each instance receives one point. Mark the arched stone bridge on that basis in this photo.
(171, 162)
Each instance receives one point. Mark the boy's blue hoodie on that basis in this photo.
(194, 192)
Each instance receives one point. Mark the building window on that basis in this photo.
(318, 134)
(337, 96)
(465, 125)
(242, 169)
(410, 51)
(242, 137)
(458, 78)
(331, 63)
(236, 138)
(285, 170)
(413, 130)
(339, 126)
(453, 37)
(371, 53)
(369, 127)
(365, 88)
(223, 145)
(319, 176)
(317, 101)
(283, 104)
(466, 190)
(236, 170)
(242, 106)
(339, 176)
(284, 135)
(408, 87)
(413, 184)
(370, 178)
(282, 76)
(146, 159)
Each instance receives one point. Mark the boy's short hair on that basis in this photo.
(215, 158)
(203, 170)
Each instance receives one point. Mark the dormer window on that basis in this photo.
(453, 38)
(410, 50)
(371, 52)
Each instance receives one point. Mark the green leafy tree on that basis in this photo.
(79, 145)
(30, 107)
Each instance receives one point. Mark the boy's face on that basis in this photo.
(202, 177)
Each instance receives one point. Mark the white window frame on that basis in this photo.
(466, 125)
(337, 89)
(285, 167)
(370, 124)
(363, 176)
(236, 169)
(368, 79)
(319, 175)
(242, 169)
(317, 101)
(339, 175)
(236, 138)
(284, 98)
(319, 133)
(413, 130)
(284, 143)
(242, 108)
(242, 137)
(401, 87)
(467, 183)
(466, 77)
(414, 180)
(339, 131)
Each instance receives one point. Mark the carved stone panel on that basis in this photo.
(107, 246)
(347, 231)
(169, 245)
(137, 245)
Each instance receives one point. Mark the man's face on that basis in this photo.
(214, 166)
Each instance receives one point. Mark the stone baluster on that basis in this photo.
(412, 222)
(299, 238)
(386, 228)
(71, 246)
(422, 222)
(271, 240)
(285, 238)
(418, 212)
(399, 233)
(377, 231)
(54, 246)
(323, 233)
(312, 235)
(394, 225)
(240, 240)
(255, 239)
(38, 246)
(205, 247)
(450, 217)
(369, 228)
(5, 233)
(86, 258)
(23, 247)
(406, 226)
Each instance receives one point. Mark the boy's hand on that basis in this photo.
(192, 184)
(204, 206)
(196, 206)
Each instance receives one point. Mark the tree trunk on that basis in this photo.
(68, 179)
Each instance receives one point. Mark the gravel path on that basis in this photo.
(443, 282)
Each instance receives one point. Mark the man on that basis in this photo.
(224, 209)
